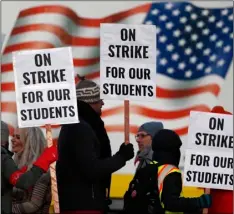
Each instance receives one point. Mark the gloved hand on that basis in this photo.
(16, 175)
(205, 201)
(126, 151)
(48, 156)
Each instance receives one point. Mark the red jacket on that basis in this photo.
(222, 200)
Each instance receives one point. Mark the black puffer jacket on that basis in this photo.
(166, 146)
(82, 172)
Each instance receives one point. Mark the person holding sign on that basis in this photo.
(222, 199)
(12, 176)
(85, 164)
(166, 146)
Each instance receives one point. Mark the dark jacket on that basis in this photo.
(27, 180)
(81, 171)
(166, 145)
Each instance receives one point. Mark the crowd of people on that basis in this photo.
(84, 164)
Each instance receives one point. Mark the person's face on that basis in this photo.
(17, 145)
(143, 139)
(97, 106)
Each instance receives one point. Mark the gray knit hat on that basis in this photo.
(4, 132)
(88, 91)
(151, 128)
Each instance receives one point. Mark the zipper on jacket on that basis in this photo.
(92, 192)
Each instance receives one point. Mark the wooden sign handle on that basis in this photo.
(126, 121)
(54, 189)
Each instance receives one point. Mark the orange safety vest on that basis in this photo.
(163, 171)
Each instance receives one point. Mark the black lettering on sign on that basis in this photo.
(115, 72)
(200, 160)
(231, 180)
(216, 123)
(230, 145)
(128, 34)
(188, 177)
(139, 73)
(32, 97)
(26, 79)
(42, 60)
(23, 115)
(150, 91)
(223, 162)
(105, 88)
(58, 94)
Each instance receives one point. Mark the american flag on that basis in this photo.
(193, 57)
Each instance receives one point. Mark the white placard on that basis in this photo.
(208, 170)
(210, 131)
(128, 62)
(45, 87)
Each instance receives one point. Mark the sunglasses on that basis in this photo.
(140, 136)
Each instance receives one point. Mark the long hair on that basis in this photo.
(34, 143)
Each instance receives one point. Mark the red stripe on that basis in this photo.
(89, 22)
(59, 32)
(179, 93)
(27, 45)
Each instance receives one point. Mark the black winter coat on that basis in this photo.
(82, 170)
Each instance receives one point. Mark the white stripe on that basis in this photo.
(160, 104)
(169, 83)
(69, 26)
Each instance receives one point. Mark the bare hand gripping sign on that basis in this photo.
(128, 62)
(45, 87)
(209, 157)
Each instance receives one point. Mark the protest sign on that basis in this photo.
(210, 131)
(45, 87)
(209, 170)
(209, 154)
(128, 62)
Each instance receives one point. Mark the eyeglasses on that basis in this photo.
(140, 136)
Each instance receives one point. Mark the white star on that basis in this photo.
(224, 12)
(207, 51)
(158, 30)
(205, 12)
(213, 58)
(225, 30)
(169, 6)
(206, 31)
(188, 28)
(162, 39)
(219, 43)
(163, 61)
(213, 37)
(188, 51)
(175, 57)
(170, 47)
(175, 12)
(155, 12)
(212, 19)
(200, 66)
(231, 35)
(194, 16)
(163, 18)
(227, 48)
(188, 8)
(208, 70)
(188, 73)
(149, 22)
(176, 33)
(199, 45)
(182, 42)
(193, 59)
(219, 24)
(169, 25)
(157, 52)
(230, 18)
(170, 70)
(221, 62)
(182, 65)
(194, 37)
(200, 24)
(183, 19)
